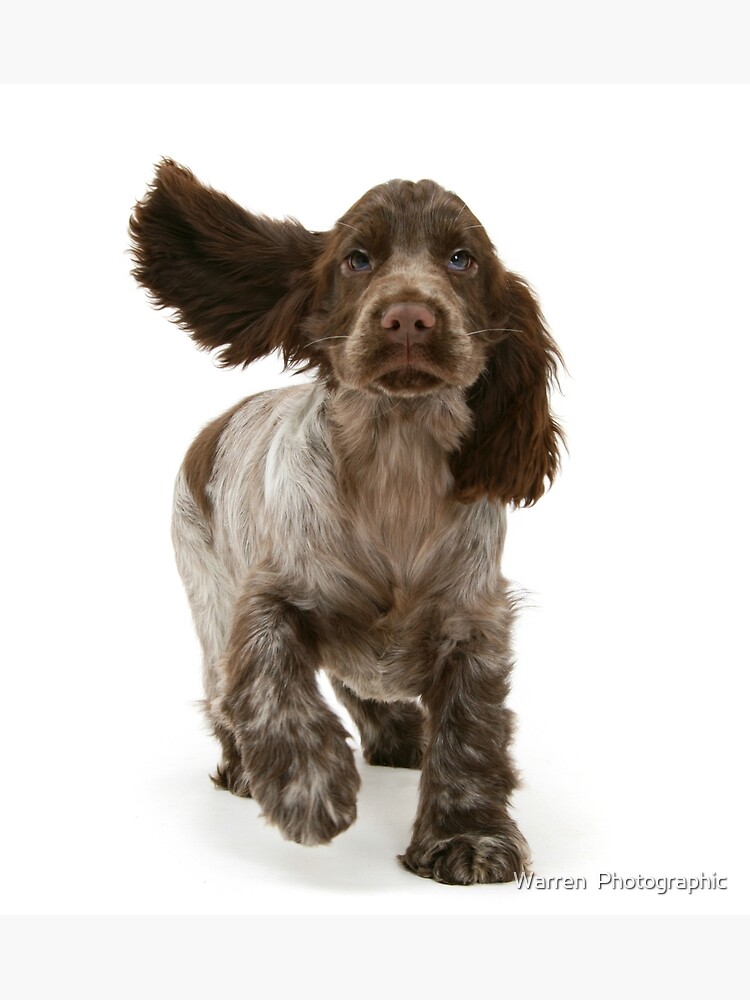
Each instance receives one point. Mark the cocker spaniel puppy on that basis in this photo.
(355, 524)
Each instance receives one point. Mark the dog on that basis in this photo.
(355, 524)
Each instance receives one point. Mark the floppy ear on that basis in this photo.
(513, 447)
(237, 281)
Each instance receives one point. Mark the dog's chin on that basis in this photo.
(407, 381)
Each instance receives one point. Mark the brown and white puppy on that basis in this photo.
(355, 524)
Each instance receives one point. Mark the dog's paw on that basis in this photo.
(401, 748)
(467, 859)
(310, 793)
(233, 778)
(398, 755)
(398, 740)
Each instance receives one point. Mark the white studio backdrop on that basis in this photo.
(627, 209)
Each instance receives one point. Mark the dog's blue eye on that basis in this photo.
(461, 260)
(359, 261)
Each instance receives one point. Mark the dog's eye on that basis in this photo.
(358, 261)
(461, 260)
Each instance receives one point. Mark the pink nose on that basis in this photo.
(408, 322)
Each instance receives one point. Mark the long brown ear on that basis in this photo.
(237, 281)
(513, 449)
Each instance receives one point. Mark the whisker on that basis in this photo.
(494, 329)
(321, 339)
(350, 227)
(484, 377)
(478, 226)
(459, 215)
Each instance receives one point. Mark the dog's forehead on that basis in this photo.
(408, 213)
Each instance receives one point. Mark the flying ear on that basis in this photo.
(237, 281)
(513, 450)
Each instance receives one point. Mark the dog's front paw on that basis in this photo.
(466, 859)
(308, 791)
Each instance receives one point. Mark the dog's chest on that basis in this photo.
(362, 530)
(409, 574)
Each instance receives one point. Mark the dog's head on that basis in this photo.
(404, 296)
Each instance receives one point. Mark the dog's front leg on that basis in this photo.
(292, 746)
(463, 833)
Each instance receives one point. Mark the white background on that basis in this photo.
(627, 208)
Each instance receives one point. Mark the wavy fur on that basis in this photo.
(356, 524)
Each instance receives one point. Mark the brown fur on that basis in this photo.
(248, 285)
(356, 524)
(201, 458)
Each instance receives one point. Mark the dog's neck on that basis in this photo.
(384, 443)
